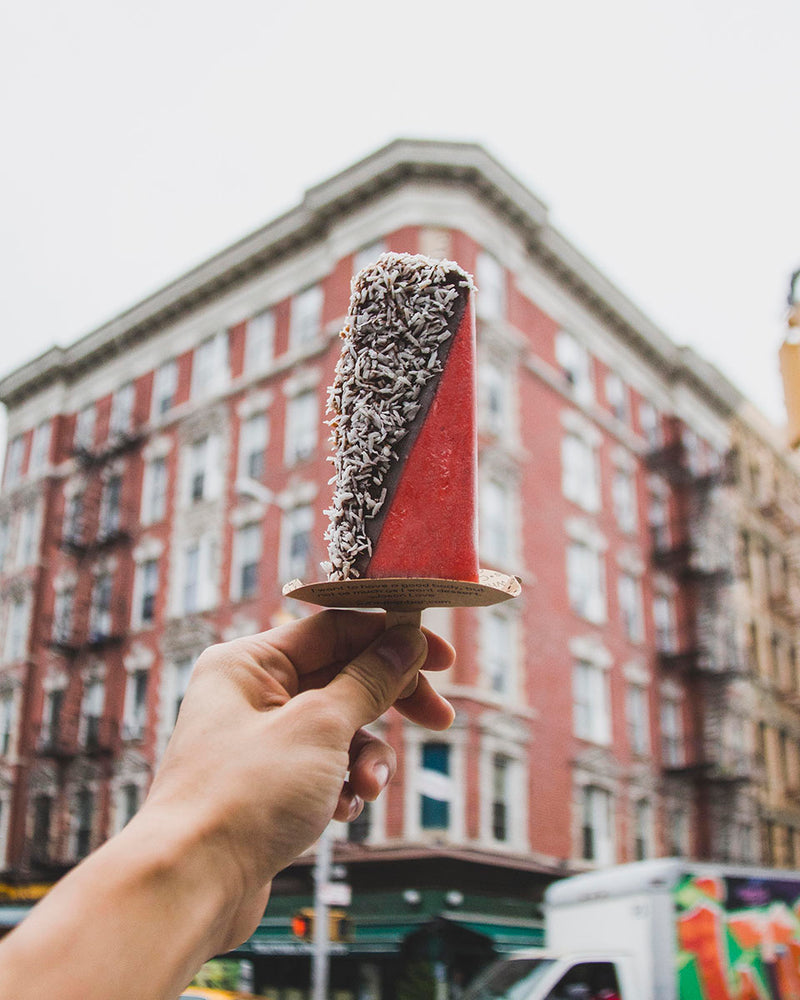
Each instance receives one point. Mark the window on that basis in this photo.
(590, 702)
(128, 803)
(27, 538)
(14, 459)
(6, 721)
(297, 540)
(498, 648)
(92, 712)
(490, 279)
(198, 470)
(110, 507)
(650, 422)
(5, 537)
(586, 581)
(658, 518)
(40, 840)
(51, 721)
(623, 495)
(642, 829)
(629, 591)
(154, 491)
(368, 255)
(496, 525)
(617, 397)
(302, 418)
(136, 704)
(210, 365)
(580, 472)
(576, 366)
(671, 732)
(435, 786)
(121, 410)
(252, 446)
(40, 447)
(638, 719)
(17, 634)
(306, 317)
(191, 569)
(148, 590)
(181, 672)
(165, 384)
(197, 569)
(259, 344)
(84, 429)
(677, 832)
(246, 557)
(664, 623)
(500, 797)
(495, 397)
(72, 530)
(100, 614)
(62, 616)
(597, 825)
(83, 819)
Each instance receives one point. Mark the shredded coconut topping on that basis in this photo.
(400, 308)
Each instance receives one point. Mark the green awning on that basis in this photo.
(504, 935)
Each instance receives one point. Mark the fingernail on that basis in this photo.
(381, 773)
(356, 805)
(401, 646)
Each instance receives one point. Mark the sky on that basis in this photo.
(140, 138)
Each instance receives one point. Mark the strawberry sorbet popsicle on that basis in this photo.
(403, 419)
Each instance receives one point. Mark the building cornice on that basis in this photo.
(402, 162)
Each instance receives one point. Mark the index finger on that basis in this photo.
(329, 639)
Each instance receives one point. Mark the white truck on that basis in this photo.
(666, 929)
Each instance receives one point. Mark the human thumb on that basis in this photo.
(371, 682)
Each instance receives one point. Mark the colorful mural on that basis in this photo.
(738, 938)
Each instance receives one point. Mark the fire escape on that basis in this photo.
(90, 619)
(695, 548)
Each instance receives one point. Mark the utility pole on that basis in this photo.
(321, 954)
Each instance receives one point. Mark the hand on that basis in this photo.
(268, 729)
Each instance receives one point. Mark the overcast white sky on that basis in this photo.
(141, 137)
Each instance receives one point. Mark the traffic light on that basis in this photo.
(303, 924)
(340, 925)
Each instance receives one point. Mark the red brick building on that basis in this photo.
(167, 473)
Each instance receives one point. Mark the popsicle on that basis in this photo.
(402, 414)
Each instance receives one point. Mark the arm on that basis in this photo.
(255, 769)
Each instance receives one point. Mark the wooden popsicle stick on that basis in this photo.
(405, 618)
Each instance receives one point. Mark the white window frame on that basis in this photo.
(155, 487)
(122, 403)
(302, 426)
(15, 457)
(597, 811)
(165, 386)
(259, 342)
(490, 278)
(27, 548)
(253, 438)
(637, 719)
(40, 447)
(673, 737)
(368, 255)
(500, 654)
(580, 471)
(586, 580)
(134, 716)
(496, 519)
(494, 384)
(631, 608)
(85, 424)
(618, 397)
(575, 362)
(591, 701)
(299, 517)
(305, 319)
(210, 366)
(17, 628)
(624, 500)
(245, 553)
(650, 424)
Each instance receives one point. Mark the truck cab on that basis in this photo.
(539, 974)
